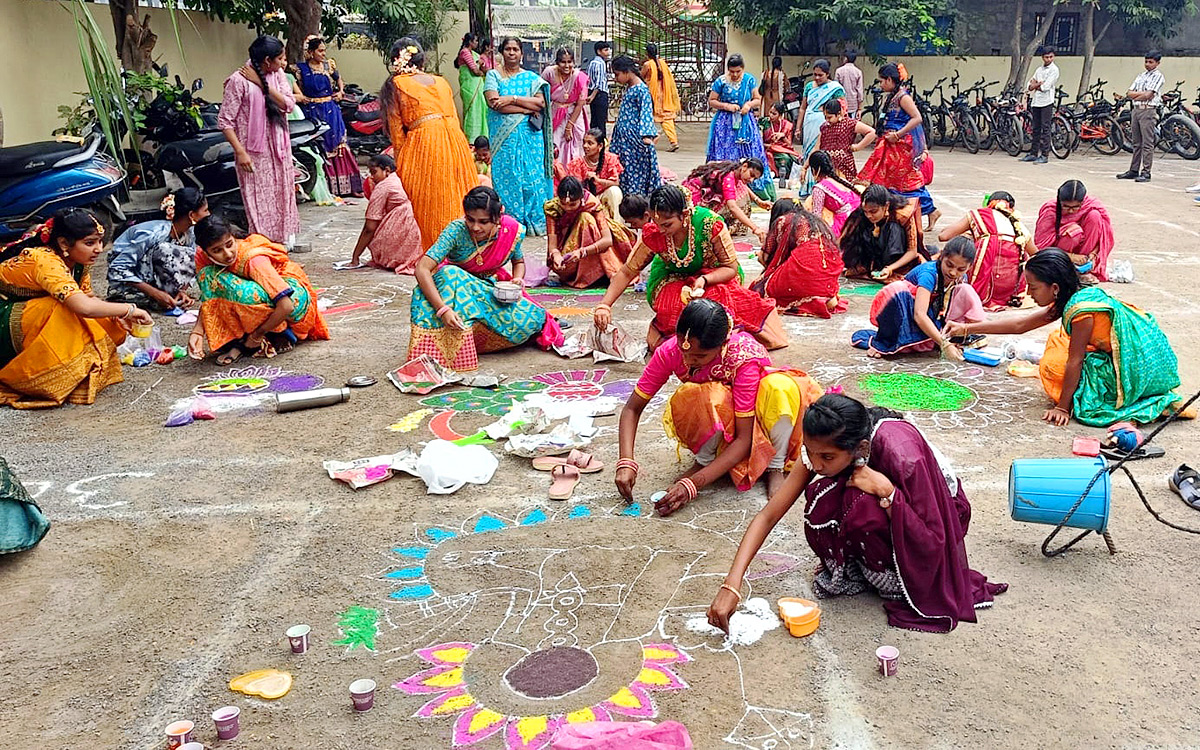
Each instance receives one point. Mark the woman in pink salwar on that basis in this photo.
(253, 118)
(1077, 223)
(568, 93)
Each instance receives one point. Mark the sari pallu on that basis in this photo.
(465, 279)
(48, 354)
(522, 158)
(896, 166)
(470, 89)
(802, 270)
(567, 136)
(834, 202)
(1133, 381)
(814, 118)
(582, 227)
(236, 299)
(920, 547)
(999, 257)
(1087, 232)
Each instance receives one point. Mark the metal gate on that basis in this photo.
(690, 41)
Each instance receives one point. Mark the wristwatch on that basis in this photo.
(886, 502)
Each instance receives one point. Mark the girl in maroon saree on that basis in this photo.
(883, 512)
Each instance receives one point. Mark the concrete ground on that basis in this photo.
(178, 557)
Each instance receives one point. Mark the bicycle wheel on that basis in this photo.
(968, 133)
(1184, 136)
(1060, 137)
(1125, 131)
(983, 126)
(1008, 132)
(1110, 144)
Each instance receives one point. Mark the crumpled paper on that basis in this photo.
(423, 374)
(614, 343)
(446, 467)
(364, 472)
(562, 439)
(521, 418)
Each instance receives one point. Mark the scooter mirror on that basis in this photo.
(197, 85)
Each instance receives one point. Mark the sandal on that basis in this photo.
(230, 355)
(563, 480)
(584, 462)
(1185, 482)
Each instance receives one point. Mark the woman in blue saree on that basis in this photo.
(522, 155)
(734, 134)
(318, 89)
(817, 92)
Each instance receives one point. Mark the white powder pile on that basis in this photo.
(746, 626)
(795, 609)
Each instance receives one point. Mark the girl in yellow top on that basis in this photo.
(58, 342)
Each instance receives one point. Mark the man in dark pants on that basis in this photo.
(1144, 93)
(1041, 105)
(597, 73)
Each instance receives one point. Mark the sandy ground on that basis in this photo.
(179, 556)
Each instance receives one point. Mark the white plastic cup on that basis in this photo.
(179, 733)
(887, 656)
(297, 636)
(362, 694)
(191, 746)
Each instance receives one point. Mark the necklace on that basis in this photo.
(672, 255)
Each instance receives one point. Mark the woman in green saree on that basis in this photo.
(471, 72)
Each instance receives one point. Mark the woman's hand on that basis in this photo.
(882, 273)
(136, 316)
(699, 283)
(723, 605)
(955, 328)
(601, 317)
(251, 75)
(195, 346)
(452, 321)
(871, 482)
(891, 136)
(183, 300)
(676, 497)
(253, 342)
(761, 234)
(626, 479)
(745, 108)
(649, 140)
(1057, 416)
(243, 160)
(951, 352)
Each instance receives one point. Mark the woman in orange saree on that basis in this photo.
(253, 298)
(58, 342)
(433, 160)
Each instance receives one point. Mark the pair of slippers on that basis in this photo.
(1185, 482)
(565, 471)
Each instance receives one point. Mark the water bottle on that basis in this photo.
(285, 402)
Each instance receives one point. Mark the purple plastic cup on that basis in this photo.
(226, 719)
(887, 656)
(362, 694)
(298, 637)
(178, 733)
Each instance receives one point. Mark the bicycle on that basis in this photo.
(1092, 121)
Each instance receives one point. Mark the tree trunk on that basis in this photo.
(134, 41)
(1091, 38)
(303, 18)
(1014, 47)
(1038, 39)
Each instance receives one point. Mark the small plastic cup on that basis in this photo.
(226, 719)
(179, 733)
(142, 330)
(191, 746)
(887, 656)
(298, 637)
(362, 694)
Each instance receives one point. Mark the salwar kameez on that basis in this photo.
(635, 121)
(148, 253)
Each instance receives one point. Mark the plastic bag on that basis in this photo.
(623, 735)
(446, 467)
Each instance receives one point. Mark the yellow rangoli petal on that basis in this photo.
(456, 655)
(484, 719)
(448, 679)
(582, 715)
(531, 726)
(455, 704)
(625, 699)
(658, 653)
(651, 676)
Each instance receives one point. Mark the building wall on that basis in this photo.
(44, 71)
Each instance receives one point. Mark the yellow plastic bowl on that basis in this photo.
(800, 625)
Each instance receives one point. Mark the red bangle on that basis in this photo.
(629, 463)
(690, 487)
(441, 311)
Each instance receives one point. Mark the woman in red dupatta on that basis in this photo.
(454, 313)
(883, 512)
(584, 244)
(1002, 245)
(802, 264)
(253, 298)
(1078, 224)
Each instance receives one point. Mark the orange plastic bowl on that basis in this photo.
(802, 623)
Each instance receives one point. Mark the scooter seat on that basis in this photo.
(193, 152)
(31, 158)
(299, 128)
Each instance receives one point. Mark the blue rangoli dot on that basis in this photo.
(634, 509)
(488, 523)
(538, 516)
(419, 591)
(416, 553)
(439, 535)
(580, 511)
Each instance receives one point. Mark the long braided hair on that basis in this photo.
(1071, 190)
(713, 172)
(262, 49)
(821, 164)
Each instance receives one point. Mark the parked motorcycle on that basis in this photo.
(37, 179)
(363, 115)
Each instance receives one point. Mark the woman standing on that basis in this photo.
(818, 92)
(634, 132)
(599, 170)
(254, 299)
(58, 343)
(665, 95)
(774, 83)
(154, 262)
(1078, 224)
(690, 254)
(584, 243)
(568, 95)
(1002, 245)
(838, 136)
(883, 512)
(802, 264)
(253, 118)
(734, 133)
(471, 72)
(738, 413)
(454, 314)
(900, 150)
(722, 187)
(433, 160)
(522, 150)
(834, 198)
(318, 89)
(1108, 362)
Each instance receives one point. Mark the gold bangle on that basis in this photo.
(734, 591)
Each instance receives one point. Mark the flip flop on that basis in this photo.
(563, 481)
(586, 463)
(1137, 454)
(1185, 482)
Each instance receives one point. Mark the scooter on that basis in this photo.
(37, 179)
(363, 116)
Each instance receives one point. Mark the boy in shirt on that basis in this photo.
(1144, 93)
(1041, 105)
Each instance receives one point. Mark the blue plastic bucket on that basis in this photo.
(1042, 490)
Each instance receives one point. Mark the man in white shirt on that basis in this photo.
(1144, 93)
(851, 79)
(1041, 105)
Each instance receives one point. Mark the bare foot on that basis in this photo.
(933, 219)
(775, 480)
(874, 354)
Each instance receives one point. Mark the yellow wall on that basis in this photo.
(43, 68)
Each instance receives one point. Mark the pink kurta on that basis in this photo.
(269, 192)
(397, 240)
